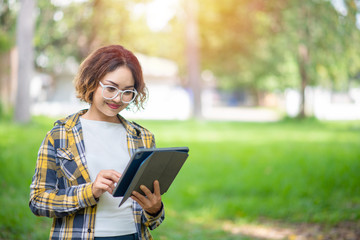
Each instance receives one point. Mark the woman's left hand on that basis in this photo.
(151, 202)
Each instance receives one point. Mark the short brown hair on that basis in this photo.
(102, 61)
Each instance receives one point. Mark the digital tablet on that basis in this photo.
(150, 164)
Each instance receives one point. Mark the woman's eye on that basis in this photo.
(112, 89)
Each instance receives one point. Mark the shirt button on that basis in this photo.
(89, 230)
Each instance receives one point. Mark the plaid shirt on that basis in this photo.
(61, 185)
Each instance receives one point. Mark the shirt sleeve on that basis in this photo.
(145, 220)
(46, 199)
(153, 221)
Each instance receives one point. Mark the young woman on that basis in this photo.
(82, 157)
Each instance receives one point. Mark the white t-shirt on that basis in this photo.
(105, 149)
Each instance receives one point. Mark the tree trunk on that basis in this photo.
(5, 83)
(192, 55)
(24, 38)
(302, 62)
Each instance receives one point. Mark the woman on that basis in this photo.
(82, 157)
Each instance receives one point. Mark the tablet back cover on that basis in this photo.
(162, 165)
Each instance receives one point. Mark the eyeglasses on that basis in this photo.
(110, 92)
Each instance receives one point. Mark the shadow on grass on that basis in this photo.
(176, 227)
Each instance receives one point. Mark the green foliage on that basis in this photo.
(293, 171)
(247, 44)
(7, 25)
(73, 31)
(255, 44)
(62, 33)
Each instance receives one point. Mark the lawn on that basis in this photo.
(290, 171)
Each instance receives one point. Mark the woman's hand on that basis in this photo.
(105, 182)
(151, 203)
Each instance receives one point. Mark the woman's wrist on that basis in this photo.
(155, 213)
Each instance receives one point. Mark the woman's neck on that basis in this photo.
(90, 115)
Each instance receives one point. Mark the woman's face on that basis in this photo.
(103, 109)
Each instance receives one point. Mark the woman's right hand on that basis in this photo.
(105, 182)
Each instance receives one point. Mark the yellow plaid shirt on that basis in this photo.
(61, 185)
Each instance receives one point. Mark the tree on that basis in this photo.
(72, 30)
(7, 39)
(235, 44)
(266, 45)
(192, 55)
(24, 38)
(321, 41)
(76, 29)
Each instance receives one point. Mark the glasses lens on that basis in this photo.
(128, 96)
(109, 92)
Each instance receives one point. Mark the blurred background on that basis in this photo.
(238, 60)
(265, 93)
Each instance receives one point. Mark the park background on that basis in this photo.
(265, 94)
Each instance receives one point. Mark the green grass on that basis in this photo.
(18, 149)
(288, 171)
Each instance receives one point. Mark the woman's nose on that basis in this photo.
(118, 98)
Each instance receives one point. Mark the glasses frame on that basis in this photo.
(117, 94)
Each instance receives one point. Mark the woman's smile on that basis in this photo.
(113, 106)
